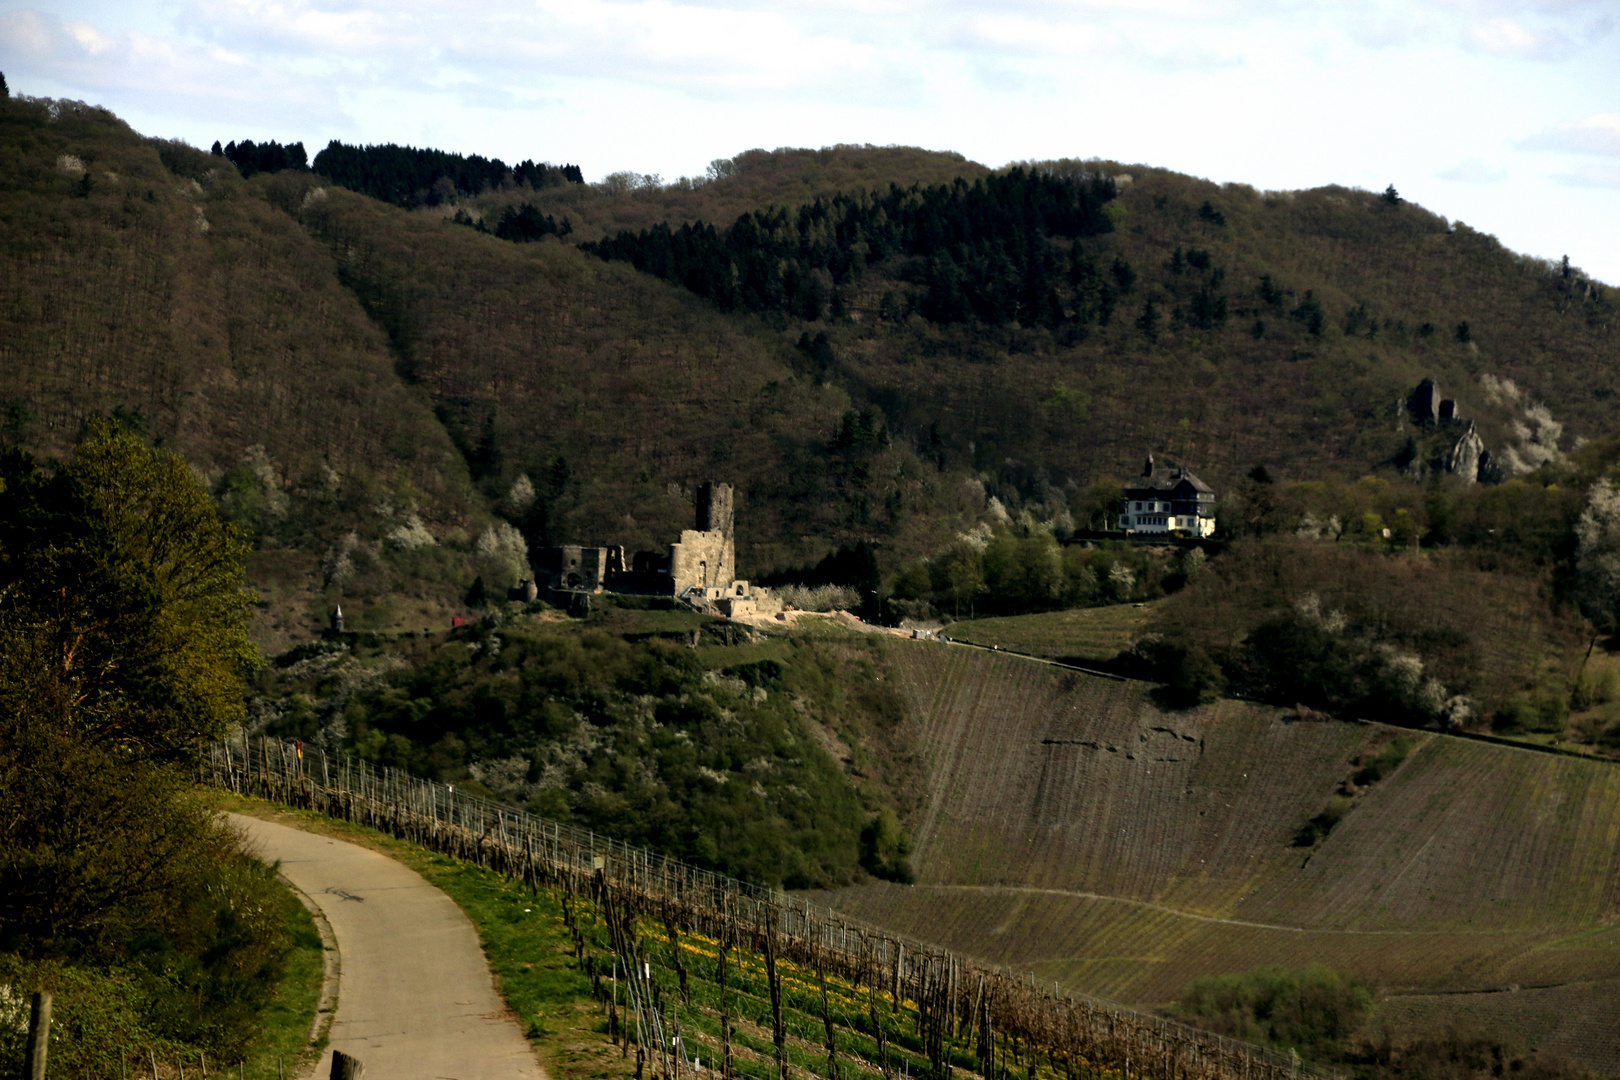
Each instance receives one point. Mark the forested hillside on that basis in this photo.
(366, 386)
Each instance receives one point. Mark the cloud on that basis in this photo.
(1594, 175)
(1514, 39)
(1472, 171)
(1541, 30)
(162, 73)
(1597, 134)
(701, 50)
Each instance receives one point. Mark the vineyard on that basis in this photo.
(1074, 828)
(694, 967)
(1083, 635)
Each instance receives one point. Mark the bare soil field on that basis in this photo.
(1071, 826)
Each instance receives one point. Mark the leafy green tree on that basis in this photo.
(119, 576)
(122, 653)
(959, 576)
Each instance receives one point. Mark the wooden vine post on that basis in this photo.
(725, 1009)
(675, 953)
(877, 1028)
(39, 1036)
(778, 1032)
(826, 1020)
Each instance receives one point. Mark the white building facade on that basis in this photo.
(1168, 502)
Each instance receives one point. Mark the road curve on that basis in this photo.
(416, 1000)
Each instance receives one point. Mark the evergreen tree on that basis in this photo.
(1148, 321)
(982, 249)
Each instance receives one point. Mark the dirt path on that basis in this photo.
(416, 1000)
(1148, 905)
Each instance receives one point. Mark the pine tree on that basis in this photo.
(1148, 321)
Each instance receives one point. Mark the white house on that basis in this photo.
(1169, 502)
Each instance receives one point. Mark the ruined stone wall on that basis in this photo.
(702, 560)
(572, 566)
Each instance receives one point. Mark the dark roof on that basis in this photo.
(1157, 478)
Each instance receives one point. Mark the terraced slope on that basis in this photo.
(1073, 827)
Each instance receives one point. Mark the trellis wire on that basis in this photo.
(960, 993)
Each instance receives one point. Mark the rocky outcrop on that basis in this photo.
(1467, 456)
(1445, 444)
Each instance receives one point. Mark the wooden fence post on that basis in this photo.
(39, 1036)
(345, 1067)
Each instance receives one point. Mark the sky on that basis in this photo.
(1504, 114)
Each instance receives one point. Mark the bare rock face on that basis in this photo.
(1467, 456)
(1424, 403)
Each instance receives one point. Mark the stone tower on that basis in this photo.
(713, 503)
(706, 557)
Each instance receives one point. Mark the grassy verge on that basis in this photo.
(283, 1047)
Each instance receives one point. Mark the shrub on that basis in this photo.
(819, 597)
(1313, 1010)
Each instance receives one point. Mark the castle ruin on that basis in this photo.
(699, 569)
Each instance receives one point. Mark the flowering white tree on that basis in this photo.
(502, 555)
(1597, 554)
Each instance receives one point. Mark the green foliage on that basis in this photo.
(1414, 639)
(1023, 568)
(715, 759)
(119, 580)
(239, 977)
(1322, 824)
(1312, 1010)
(885, 848)
(122, 651)
(1386, 761)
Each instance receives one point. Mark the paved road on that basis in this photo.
(416, 1000)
